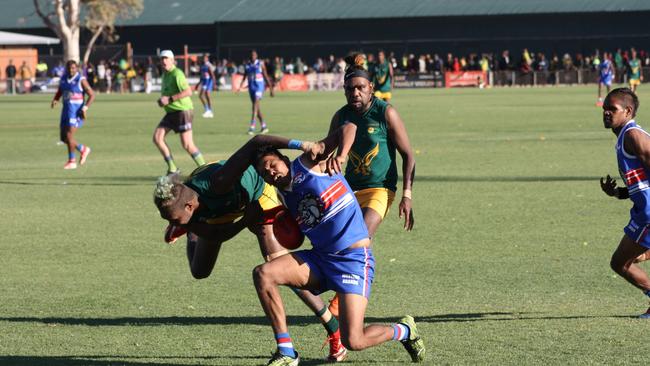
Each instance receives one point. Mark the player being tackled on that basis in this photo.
(341, 259)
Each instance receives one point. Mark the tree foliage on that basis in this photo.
(63, 17)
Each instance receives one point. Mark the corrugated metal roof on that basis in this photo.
(19, 39)
(20, 13)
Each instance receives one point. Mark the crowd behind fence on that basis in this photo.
(142, 74)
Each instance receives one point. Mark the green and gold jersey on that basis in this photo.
(218, 208)
(371, 161)
(381, 77)
(635, 69)
(174, 82)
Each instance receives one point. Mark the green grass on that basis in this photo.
(508, 262)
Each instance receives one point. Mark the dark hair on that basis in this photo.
(70, 62)
(627, 97)
(355, 67)
(266, 150)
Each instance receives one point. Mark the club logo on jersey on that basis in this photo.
(299, 178)
(371, 130)
(310, 210)
(362, 165)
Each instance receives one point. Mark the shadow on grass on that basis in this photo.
(85, 181)
(93, 360)
(451, 178)
(297, 320)
(508, 316)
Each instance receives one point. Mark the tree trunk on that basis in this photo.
(71, 46)
(91, 44)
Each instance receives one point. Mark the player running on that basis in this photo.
(256, 76)
(372, 169)
(634, 71)
(73, 88)
(205, 86)
(213, 211)
(633, 155)
(382, 77)
(606, 76)
(179, 113)
(341, 259)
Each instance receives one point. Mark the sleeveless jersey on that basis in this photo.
(72, 91)
(635, 69)
(254, 73)
(205, 71)
(381, 77)
(606, 69)
(372, 156)
(212, 206)
(325, 208)
(635, 177)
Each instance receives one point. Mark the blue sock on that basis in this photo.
(71, 156)
(253, 123)
(285, 347)
(80, 147)
(401, 332)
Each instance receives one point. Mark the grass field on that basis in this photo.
(508, 262)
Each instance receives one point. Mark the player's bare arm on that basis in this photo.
(91, 97)
(267, 79)
(392, 78)
(56, 98)
(397, 133)
(224, 232)
(223, 180)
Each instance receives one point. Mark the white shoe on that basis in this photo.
(208, 114)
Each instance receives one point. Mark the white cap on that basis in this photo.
(167, 53)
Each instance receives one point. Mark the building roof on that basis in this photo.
(18, 39)
(20, 13)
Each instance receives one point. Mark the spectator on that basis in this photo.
(422, 65)
(26, 77)
(449, 62)
(504, 61)
(300, 66)
(101, 76)
(90, 74)
(10, 72)
(58, 70)
(41, 69)
(290, 67)
(541, 64)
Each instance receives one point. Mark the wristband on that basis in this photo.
(407, 193)
(84, 108)
(295, 144)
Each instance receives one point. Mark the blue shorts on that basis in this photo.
(606, 80)
(71, 117)
(349, 271)
(207, 84)
(256, 91)
(638, 233)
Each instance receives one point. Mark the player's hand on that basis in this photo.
(335, 164)
(54, 102)
(406, 211)
(272, 92)
(608, 185)
(163, 101)
(83, 112)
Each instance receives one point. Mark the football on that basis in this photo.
(287, 231)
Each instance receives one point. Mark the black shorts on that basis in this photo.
(180, 121)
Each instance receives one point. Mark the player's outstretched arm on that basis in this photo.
(397, 133)
(224, 179)
(343, 138)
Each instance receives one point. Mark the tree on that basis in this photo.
(100, 16)
(103, 14)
